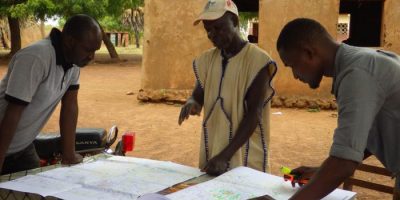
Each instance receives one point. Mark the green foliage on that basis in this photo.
(113, 23)
(42, 8)
(244, 17)
(11, 7)
(94, 8)
(23, 9)
(61, 22)
(108, 12)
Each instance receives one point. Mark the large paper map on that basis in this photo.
(113, 178)
(244, 183)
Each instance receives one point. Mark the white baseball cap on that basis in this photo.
(215, 9)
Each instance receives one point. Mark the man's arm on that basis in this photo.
(198, 94)
(8, 127)
(68, 121)
(254, 101)
(324, 182)
(193, 105)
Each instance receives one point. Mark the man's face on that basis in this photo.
(305, 65)
(220, 31)
(82, 51)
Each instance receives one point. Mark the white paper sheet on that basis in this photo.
(90, 193)
(166, 165)
(74, 175)
(39, 185)
(244, 183)
(118, 177)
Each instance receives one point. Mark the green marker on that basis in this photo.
(286, 170)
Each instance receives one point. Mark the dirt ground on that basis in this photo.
(298, 137)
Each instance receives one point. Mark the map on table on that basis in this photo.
(244, 183)
(112, 178)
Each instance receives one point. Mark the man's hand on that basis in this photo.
(265, 197)
(71, 159)
(217, 165)
(190, 108)
(326, 179)
(303, 172)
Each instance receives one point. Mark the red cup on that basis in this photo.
(128, 141)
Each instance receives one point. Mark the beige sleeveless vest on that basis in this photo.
(225, 106)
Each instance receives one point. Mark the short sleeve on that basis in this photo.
(200, 71)
(26, 72)
(75, 79)
(360, 98)
(258, 60)
(272, 70)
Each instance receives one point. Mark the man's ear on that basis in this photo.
(235, 20)
(69, 41)
(309, 50)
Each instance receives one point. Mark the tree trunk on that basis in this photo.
(42, 28)
(3, 39)
(137, 38)
(15, 34)
(110, 47)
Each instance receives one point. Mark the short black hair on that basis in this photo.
(78, 25)
(299, 31)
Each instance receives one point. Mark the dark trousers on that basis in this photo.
(21, 161)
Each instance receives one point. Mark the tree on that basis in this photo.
(113, 23)
(17, 11)
(134, 17)
(9, 10)
(130, 13)
(15, 30)
(94, 8)
(41, 10)
(4, 40)
(98, 9)
(245, 17)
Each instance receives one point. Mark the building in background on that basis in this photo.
(171, 42)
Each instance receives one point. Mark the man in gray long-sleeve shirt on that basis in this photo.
(367, 87)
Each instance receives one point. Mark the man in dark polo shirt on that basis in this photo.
(38, 78)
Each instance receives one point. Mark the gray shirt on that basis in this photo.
(367, 88)
(34, 78)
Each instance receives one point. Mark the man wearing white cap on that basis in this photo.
(233, 85)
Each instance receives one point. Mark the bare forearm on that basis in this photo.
(329, 176)
(7, 132)
(68, 121)
(8, 127)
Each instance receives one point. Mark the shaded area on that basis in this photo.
(365, 21)
(247, 5)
